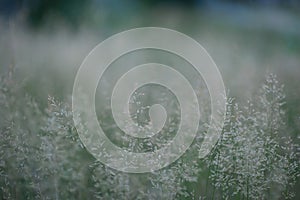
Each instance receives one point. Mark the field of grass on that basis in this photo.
(257, 51)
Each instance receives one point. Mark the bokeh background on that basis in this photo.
(246, 39)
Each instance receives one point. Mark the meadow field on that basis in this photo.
(257, 50)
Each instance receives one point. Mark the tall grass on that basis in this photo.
(256, 158)
(41, 156)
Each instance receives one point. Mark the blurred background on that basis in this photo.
(44, 41)
(246, 39)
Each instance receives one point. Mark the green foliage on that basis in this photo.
(255, 158)
(42, 157)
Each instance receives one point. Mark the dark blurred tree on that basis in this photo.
(10, 7)
(39, 11)
(70, 11)
(184, 3)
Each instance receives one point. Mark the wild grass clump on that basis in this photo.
(42, 157)
(255, 157)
